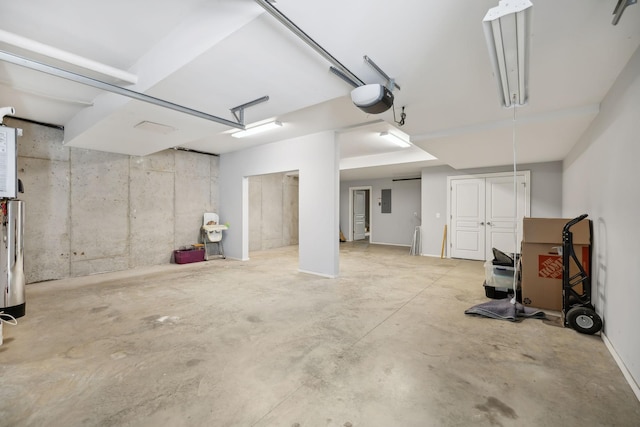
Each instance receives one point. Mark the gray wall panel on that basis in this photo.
(89, 212)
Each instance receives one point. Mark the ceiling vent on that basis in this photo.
(155, 127)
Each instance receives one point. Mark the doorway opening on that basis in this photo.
(360, 224)
(273, 210)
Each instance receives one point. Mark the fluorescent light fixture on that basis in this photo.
(395, 139)
(257, 129)
(507, 28)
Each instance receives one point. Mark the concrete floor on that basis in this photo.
(228, 343)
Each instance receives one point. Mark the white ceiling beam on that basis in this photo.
(198, 33)
(546, 116)
(67, 57)
(74, 101)
(88, 81)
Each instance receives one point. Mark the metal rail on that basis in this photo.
(238, 112)
(308, 40)
(391, 82)
(98, 84)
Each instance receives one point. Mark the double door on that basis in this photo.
(484, 214)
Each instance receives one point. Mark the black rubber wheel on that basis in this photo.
(584, 320)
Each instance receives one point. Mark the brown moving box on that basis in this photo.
(541, 261)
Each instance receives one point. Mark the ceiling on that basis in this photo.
(211, 56)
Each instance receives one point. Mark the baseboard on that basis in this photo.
(328, 276)
(390, 244)
(621, 365)
(237, 259)
(432, 256)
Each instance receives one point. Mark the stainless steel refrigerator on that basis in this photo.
(12, 279)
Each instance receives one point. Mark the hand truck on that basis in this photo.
(577, 310)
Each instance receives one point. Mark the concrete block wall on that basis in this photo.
(273, 211)
(89, 212)
(43, 167)
(290, 202)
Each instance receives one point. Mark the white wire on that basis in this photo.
(515, 206)
(12, 320)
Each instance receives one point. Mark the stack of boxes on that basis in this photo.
(541, 260)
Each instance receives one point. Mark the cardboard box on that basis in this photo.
(542, 260)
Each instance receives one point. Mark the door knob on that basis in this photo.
(482, 223)
(488, 223)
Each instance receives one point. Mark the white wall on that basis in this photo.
(395, 228)
(316, 157)
(546, 197)
(428, 197)
(601, 177)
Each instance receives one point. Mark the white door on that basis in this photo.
(467, 218)
(504, 213)
(359, 214)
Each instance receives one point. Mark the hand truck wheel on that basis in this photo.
(584, 320)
